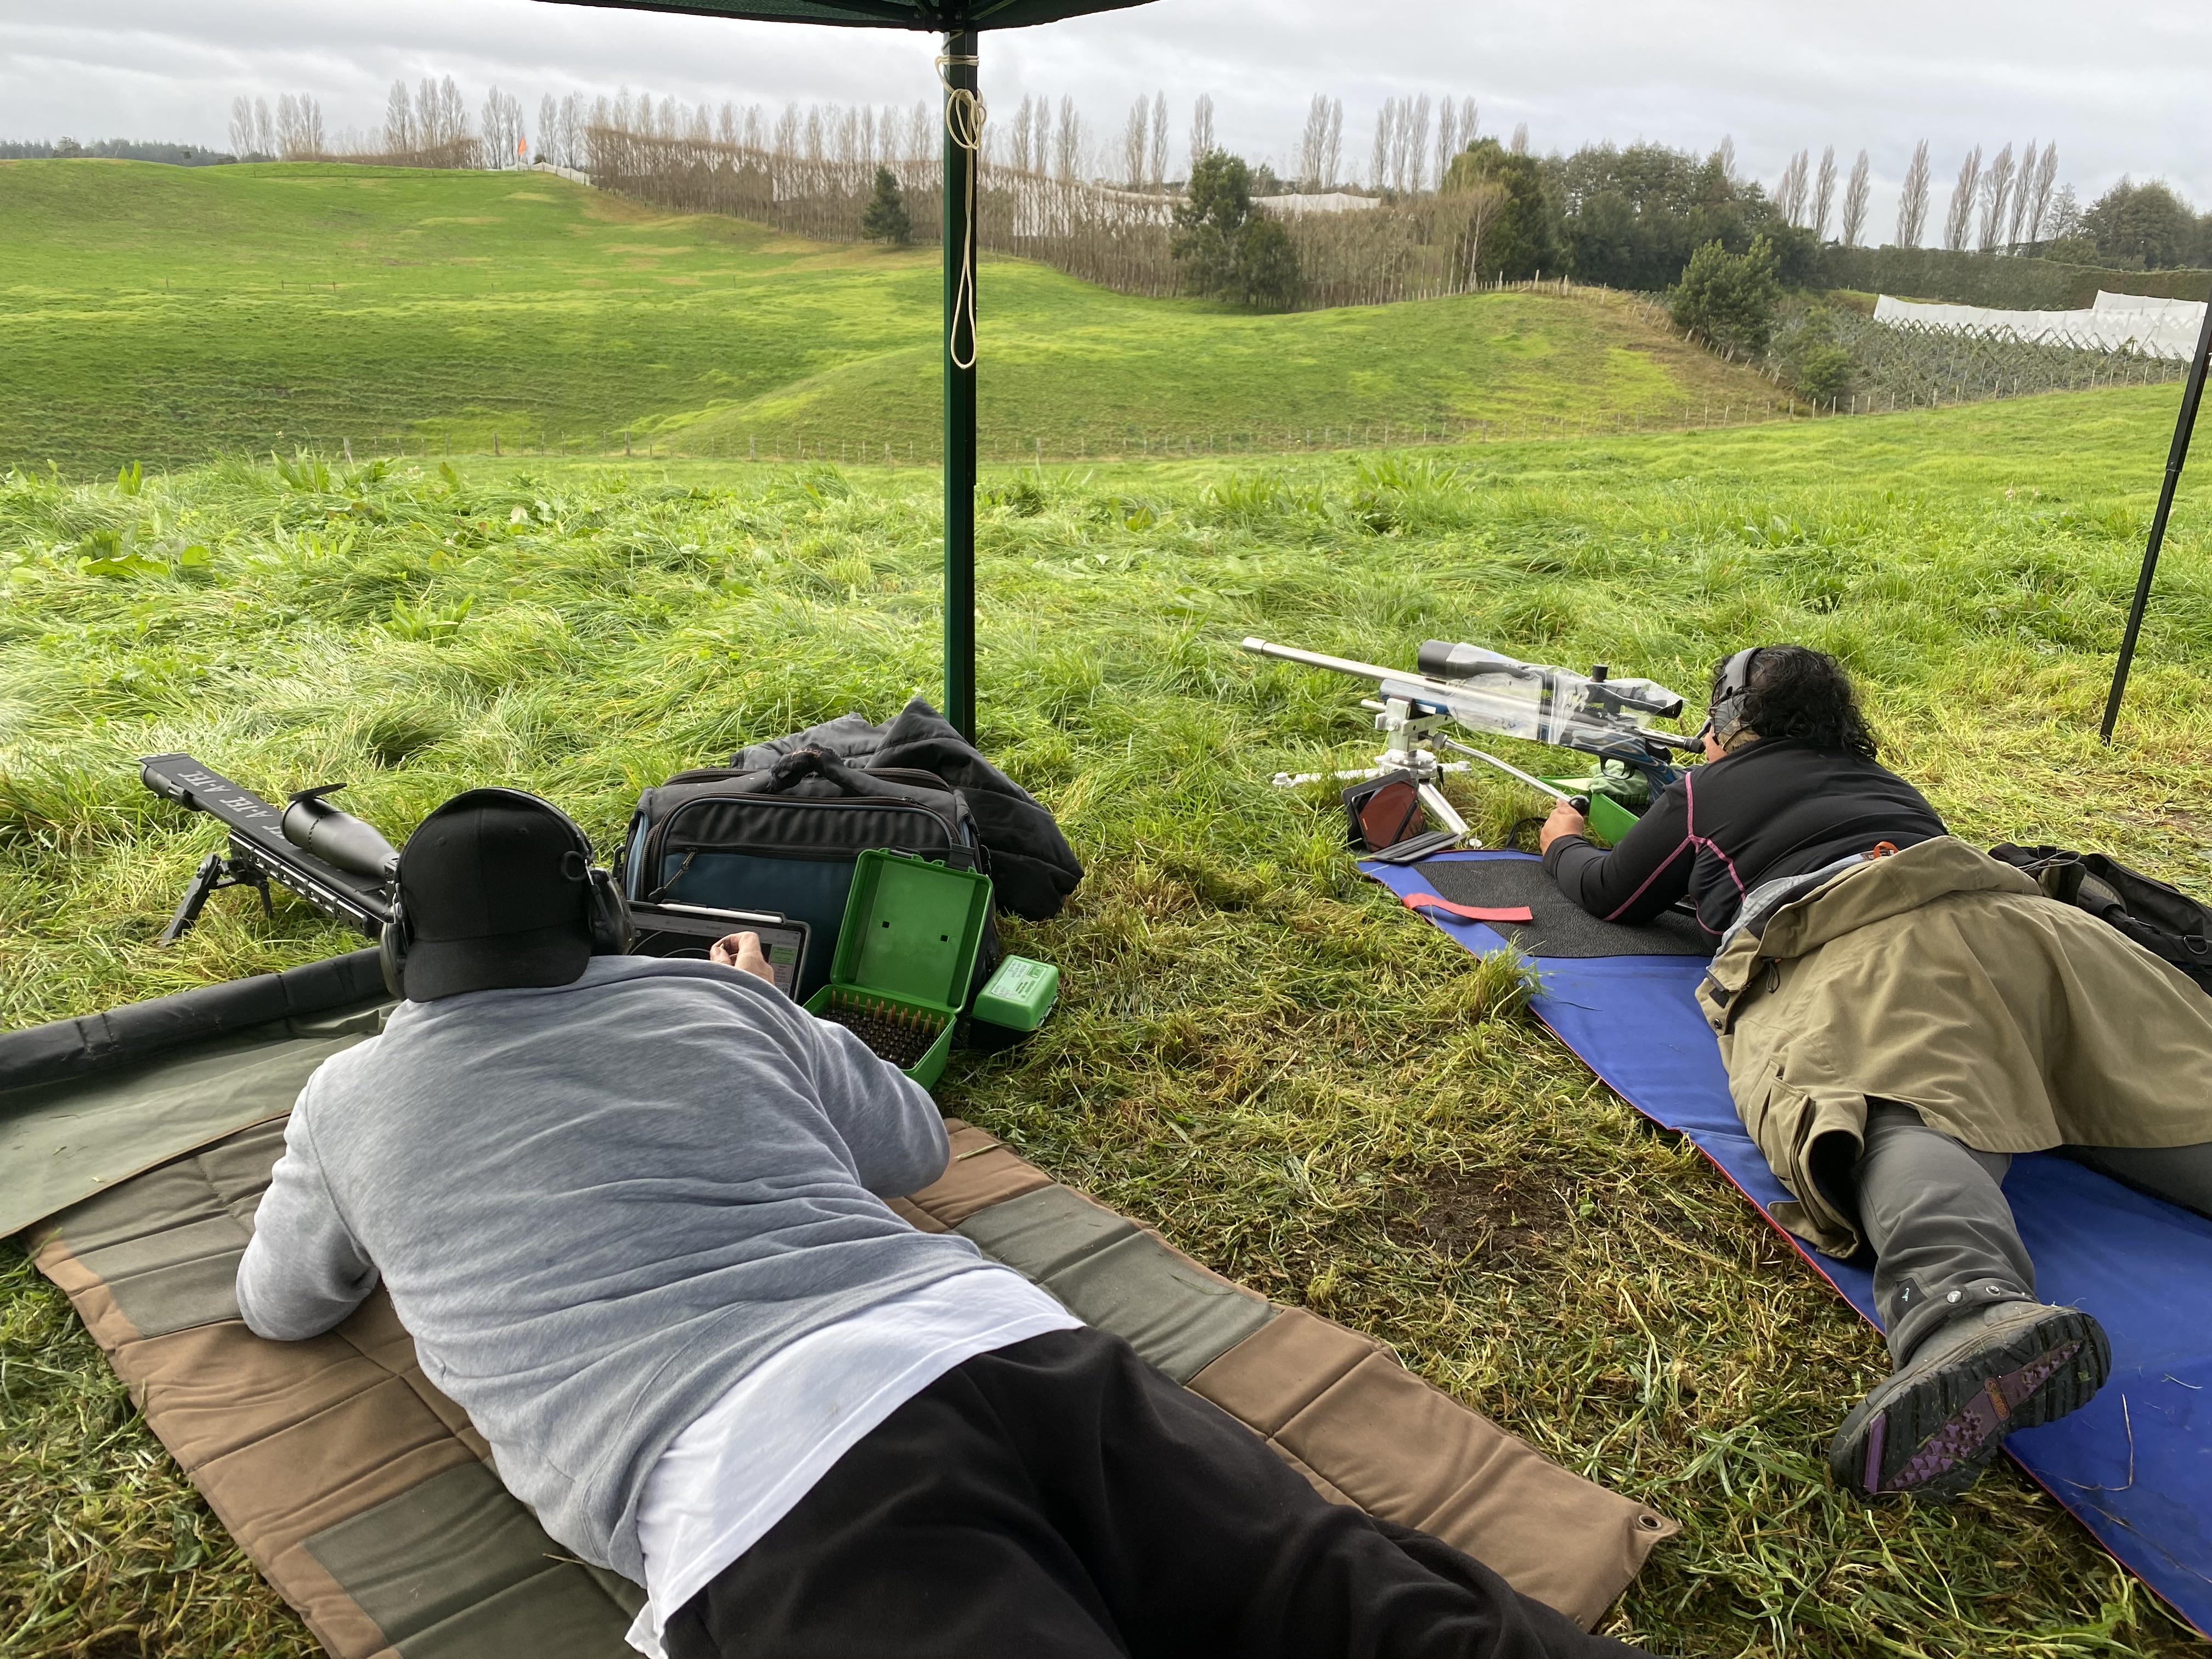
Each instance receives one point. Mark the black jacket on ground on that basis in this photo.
(1033, 869)
(1767, 809)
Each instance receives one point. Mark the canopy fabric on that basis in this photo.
(942, 18)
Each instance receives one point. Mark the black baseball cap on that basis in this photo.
(494, 885)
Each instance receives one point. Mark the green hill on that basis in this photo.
(158, 313)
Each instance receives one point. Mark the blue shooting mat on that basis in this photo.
(2135, 1465)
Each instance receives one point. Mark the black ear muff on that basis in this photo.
(1734, 682)
(609, 914)
(392, 942)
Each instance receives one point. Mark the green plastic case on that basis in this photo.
(1608, 819)
(1019, 995)
(906, 949)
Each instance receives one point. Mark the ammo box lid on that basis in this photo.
(912, 928)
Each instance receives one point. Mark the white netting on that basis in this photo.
(2118, 322)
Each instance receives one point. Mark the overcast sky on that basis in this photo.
(2124, 87)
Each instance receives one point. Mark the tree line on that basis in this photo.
(1051, 186)
(1430, 204)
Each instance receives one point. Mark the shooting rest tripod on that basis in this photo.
(1413, 736)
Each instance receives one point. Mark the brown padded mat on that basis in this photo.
(1366, 1431)
(290, 1442)
(363, 1493)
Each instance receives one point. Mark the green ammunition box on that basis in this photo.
(1019, 995)
(906, 952)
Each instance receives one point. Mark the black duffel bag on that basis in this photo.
(2165, 921)
(785, 839)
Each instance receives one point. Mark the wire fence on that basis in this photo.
(1912, 366)
(774, 448)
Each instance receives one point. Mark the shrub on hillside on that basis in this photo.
(1807, 352)
(1729, 299)
(886, 220)
(1227, 249)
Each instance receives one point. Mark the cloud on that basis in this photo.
(2120, 89)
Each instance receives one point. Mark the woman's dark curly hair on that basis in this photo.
(1802, 694)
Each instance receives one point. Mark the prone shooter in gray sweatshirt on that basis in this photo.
(633, 1212)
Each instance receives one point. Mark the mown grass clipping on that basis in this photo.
(1296, 1081)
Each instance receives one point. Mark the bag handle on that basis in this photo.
(796, 769)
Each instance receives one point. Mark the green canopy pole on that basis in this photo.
(963, 134)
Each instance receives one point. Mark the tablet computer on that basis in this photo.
(689, 930)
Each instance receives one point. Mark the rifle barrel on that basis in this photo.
(1365, 670)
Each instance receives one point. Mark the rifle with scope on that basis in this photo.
(1486, 691)
(338, 863)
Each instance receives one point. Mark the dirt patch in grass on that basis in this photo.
(1513, 1220)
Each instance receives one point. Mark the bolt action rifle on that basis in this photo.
(337, 862)
(1484, 690)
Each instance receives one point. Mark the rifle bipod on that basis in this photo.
(214, 873)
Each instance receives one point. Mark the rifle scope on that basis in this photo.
(313, 825)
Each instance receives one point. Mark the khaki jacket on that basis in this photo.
(1939, 977)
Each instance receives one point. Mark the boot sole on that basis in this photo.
(1933, 1434)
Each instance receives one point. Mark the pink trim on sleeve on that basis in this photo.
(1690, 831)
(1653, 876)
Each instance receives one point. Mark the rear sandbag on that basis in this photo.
(359, 1489)
(1341, 1408)
(85, 1102)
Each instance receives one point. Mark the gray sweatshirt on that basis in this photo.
(596, 1207)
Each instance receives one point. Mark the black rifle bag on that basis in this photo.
(2165, 921)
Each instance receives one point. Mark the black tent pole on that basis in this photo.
(2192, 393)
(963, 134)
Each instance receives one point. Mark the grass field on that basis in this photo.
(1297, 1082)
(164, 314)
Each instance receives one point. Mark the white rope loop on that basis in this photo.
(964, 115)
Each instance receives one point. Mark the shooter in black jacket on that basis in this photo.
(1900, 1013)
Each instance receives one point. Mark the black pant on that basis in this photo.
(1060, 1499)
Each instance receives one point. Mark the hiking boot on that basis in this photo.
(1933, 1427)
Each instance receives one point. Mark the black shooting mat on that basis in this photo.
(1562, 927)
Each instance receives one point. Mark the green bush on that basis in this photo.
(1266, 265)
(1824, 374)
(886, 220)
(1727, 298)
(1227, 249)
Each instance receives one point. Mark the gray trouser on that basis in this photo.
(1942, 1234)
